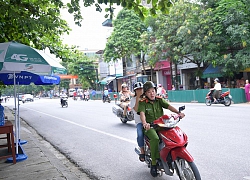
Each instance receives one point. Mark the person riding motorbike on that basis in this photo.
(105, 93)
(151, 108)
(216, 89)
(134, 102)
(125, 98)
(63, 95)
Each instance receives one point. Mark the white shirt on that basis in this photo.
(136, 116)
(217, 86)
(159, 90)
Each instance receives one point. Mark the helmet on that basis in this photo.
(124, 85)
(147, 85)
(217, 80)
(138, 85)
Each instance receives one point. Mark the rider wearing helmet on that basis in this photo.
(151, 108)
(125, 98)
(216, 89)
(134, 102)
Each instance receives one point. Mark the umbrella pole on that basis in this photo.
(20, 156)
(18, 116)
(16, 119)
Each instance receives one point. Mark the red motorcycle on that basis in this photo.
(225, 98)
(173, 153)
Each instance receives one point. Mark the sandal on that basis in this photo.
(142, 157)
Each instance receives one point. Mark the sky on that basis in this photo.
(91, 35)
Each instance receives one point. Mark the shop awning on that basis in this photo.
(247, 70)
(213, 72)
(107, 80)
(160, 65)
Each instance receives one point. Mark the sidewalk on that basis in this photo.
(43, 162)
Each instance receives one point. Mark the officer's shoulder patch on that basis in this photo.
(143, 99)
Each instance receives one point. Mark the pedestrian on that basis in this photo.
(173, 88)
(151, 108)
(93, 93)
(247, 91)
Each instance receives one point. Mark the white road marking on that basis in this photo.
(86, 127)
(246, 177)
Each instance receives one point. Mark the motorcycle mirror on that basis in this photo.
(182, 108)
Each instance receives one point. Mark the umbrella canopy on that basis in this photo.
(18, 57)
(25, 78)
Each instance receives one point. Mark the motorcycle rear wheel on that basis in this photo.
(187, 170)
(227, 101)
(208, 102)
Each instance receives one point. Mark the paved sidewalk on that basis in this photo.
(43, 162)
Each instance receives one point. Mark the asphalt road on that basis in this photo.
(91, 136)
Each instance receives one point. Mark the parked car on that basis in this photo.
(27, 97)
(71, 92)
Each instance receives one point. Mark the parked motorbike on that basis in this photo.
(174, 157)
(225, 98)
(118, 111)
(106, 99)
(64, 101)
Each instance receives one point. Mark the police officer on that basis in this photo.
(151, 108)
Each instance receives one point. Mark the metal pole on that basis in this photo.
(96, 70)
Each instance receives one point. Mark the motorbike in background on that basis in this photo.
(86, 98)
(106, 99)
(64, 101)
(174, 157)
(118, 111)
(225, 98)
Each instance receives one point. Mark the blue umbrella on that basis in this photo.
(25, 78)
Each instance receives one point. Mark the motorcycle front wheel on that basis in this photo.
(227, 101)
(208, 102)
(123, 120)
(187, 170)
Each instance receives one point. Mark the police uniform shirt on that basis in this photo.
(152, 109)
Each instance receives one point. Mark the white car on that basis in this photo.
(27, 97)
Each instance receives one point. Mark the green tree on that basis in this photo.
(85, 68)
(181, 36)
(231, 35)
(35, 23)
(136, 6)
(124, 40)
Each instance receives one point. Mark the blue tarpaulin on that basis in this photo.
(213, 72)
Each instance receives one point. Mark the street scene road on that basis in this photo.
(90, 135)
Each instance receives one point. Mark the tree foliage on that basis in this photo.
(136, 6)
(231, 35)
(85, 68)
(213, 32)
(35, 23)
(124, 40)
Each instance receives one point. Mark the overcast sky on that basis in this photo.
(92, 35)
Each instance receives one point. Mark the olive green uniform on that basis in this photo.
(153, 110)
